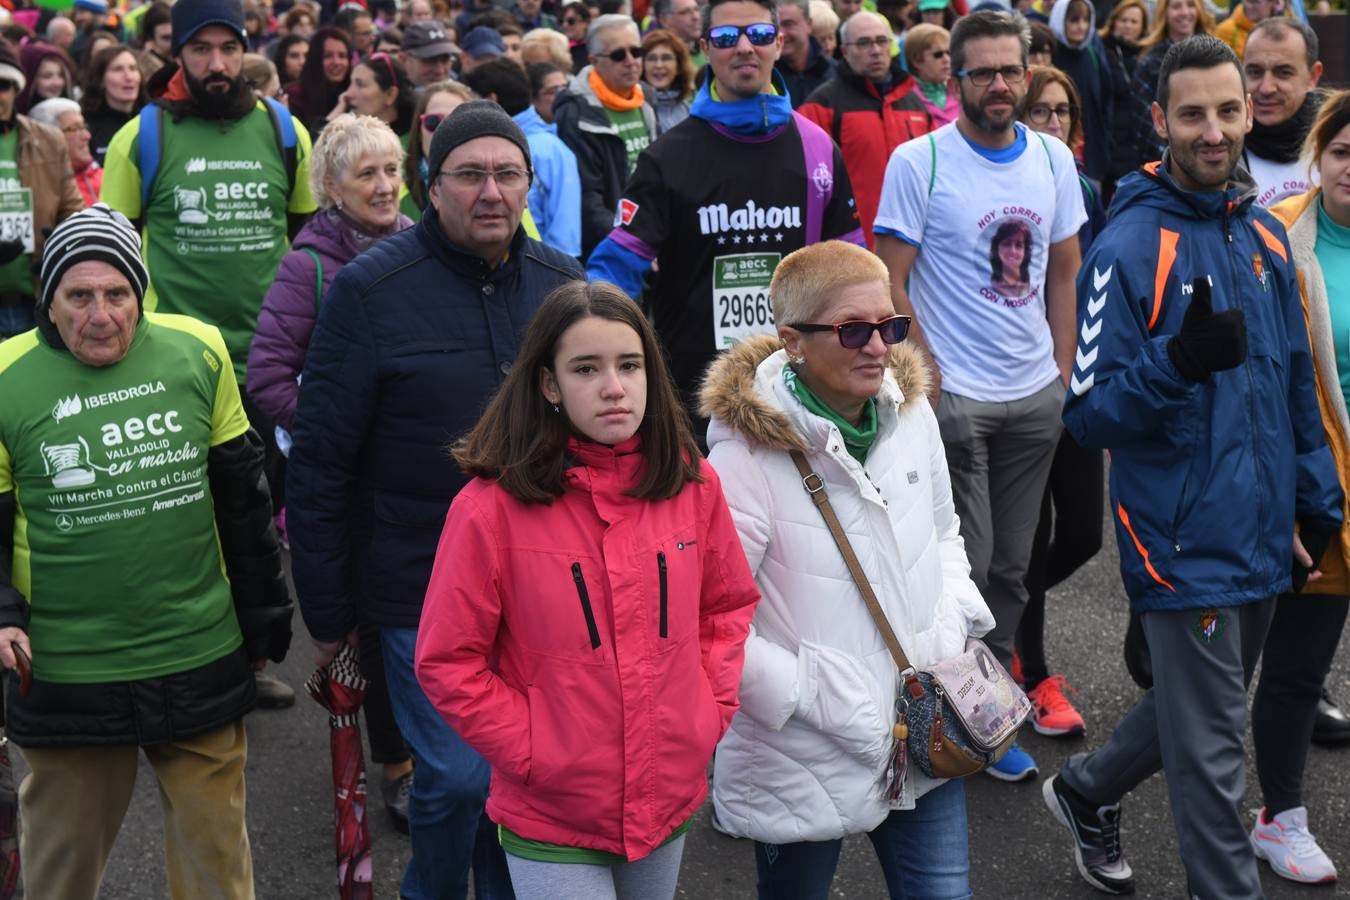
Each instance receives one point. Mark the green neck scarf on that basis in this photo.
(935, 92)
(858, 439)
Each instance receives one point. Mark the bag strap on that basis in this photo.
(932, 172)
(815, 487)
(149, 148)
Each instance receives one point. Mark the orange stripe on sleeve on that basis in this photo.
(1138, 545)
(1275, 244)
(1167, 255)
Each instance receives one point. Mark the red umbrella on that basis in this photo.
(339, 687)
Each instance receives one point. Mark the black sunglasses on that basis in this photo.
(431, 120)
(854, 335)
(623, 53)
(724, 37)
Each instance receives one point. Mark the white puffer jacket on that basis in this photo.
(805, 758)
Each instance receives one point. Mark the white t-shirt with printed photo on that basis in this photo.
(984, 231)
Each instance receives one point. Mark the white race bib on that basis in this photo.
(16, 217)
(740, 297)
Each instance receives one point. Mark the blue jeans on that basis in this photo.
(15, 320)
(449, 830)
(924, 854)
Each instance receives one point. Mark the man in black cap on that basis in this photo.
(427, 53)
(413, 338)
(219, 178)
(132, 486)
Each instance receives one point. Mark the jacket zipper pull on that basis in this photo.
(661, 569)
(593, 631)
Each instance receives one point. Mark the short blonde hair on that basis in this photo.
(920, 38)
(807, 279)
(344, 141)
(544, 45)
(824, 20)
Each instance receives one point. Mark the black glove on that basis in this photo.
(1208, 341)
(1315, 541)
(10, 251)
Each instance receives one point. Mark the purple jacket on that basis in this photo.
(289, 310)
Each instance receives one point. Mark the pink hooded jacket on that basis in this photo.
(590, 649)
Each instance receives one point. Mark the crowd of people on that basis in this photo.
(583, 354)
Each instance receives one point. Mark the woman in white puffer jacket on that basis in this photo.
(805, 760)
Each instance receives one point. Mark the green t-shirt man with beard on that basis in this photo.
(216, 224)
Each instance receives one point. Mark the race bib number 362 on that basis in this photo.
(740, 297)
(16, 217)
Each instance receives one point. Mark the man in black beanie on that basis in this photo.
(413, 338)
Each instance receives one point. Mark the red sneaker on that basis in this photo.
(1016, 671)
(1052, 714)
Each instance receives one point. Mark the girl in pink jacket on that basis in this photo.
(585, 621)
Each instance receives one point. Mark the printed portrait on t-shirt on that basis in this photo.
(1010, 252)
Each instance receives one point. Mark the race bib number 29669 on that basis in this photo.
(740, 297)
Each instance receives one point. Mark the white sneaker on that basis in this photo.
(1286, 843)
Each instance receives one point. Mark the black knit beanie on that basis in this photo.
(475, 119)
(97, 233)
(191, 16)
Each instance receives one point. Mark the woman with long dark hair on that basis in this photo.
(114, 91)
(289, 54)
(585, 622)
(317, 96)
(381, 88)
(436, 102)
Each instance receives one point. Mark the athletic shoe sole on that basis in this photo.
(1284, 873)
(1020, 776)
(1062, 815)
(1075, 731)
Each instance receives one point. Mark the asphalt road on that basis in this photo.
(1017, 850)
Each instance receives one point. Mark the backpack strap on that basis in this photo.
(1046, 147)
(932, 171)
(149, 149)
(818, 150)
(287, 141)
(318, 278)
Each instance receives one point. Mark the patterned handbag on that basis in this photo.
(957, 716)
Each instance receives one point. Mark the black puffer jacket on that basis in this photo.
(1122, 57)
(177, 706)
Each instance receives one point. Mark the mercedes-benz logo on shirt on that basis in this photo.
(64, 522)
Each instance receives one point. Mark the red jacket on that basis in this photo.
(590, 649)
(867, 127)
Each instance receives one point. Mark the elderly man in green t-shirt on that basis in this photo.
(132, 486)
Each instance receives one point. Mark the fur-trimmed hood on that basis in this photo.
(731, 393)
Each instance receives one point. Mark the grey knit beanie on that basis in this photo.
(475, 119)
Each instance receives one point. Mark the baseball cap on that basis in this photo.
(427, 39)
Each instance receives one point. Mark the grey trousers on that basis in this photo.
(653, 877)
(999, 456)
(1190, 725)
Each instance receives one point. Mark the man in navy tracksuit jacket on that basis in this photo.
(1193, 369)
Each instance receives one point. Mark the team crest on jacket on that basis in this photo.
(1209, 625)
(822, 178)
(1259, 270)
(624, 214)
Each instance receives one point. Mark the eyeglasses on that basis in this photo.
(1041, 112)
(623, 53)
(985, 77)
(431, 120)
(474, 179)
(724, 37)
(661, 57)
(940, 54)
(854, 335)
(74, 129)
(8, 86)
(881, 42)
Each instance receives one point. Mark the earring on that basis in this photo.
(555, 408)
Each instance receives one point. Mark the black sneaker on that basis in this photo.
(1332, 725)
(1096, 837)
(395, 792)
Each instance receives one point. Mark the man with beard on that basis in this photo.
(981, 218)
(218, 192)
(1193, 369)
(1282, 72)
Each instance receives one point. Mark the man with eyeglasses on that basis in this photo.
(978, 225)
(427, 53)
(681, 18)
(606, 119)
(803, 64)
(36, 192)
(723, 196)
(412, 340)
(869, 108)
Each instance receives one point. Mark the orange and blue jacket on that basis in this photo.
(1206, 479)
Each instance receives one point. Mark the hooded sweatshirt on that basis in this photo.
(1086, 63)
